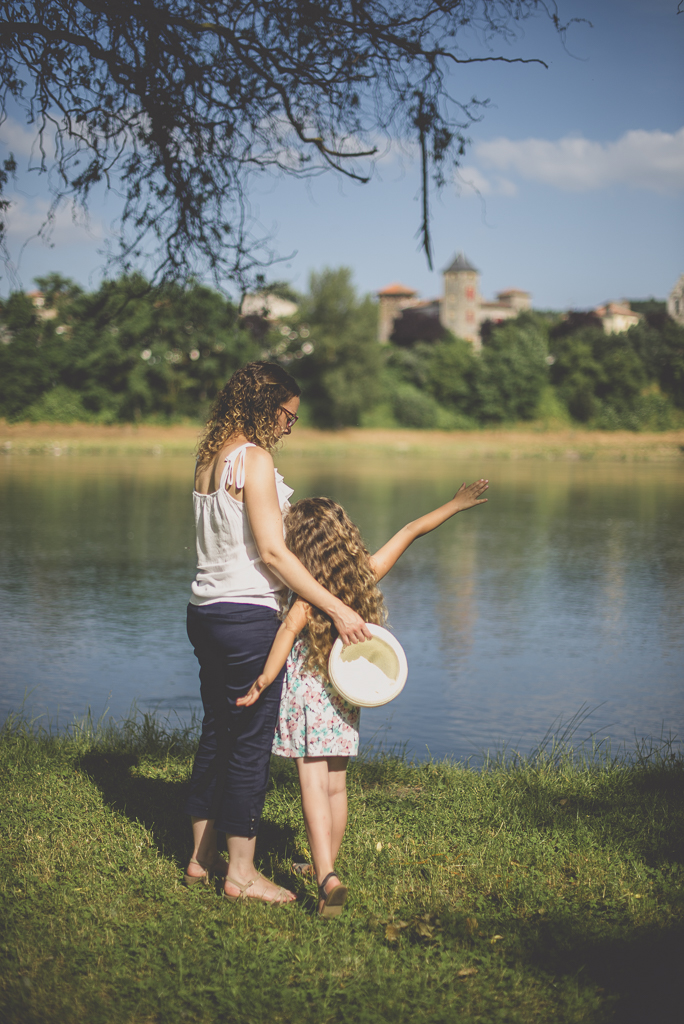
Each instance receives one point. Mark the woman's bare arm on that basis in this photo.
(465, 497)
(265, 517)
(282, 645)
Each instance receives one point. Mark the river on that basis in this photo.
(559, 603)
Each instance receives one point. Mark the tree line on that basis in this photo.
(132, 352)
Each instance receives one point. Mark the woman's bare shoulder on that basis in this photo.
(259, 479)
(257, 456)
(259, 463)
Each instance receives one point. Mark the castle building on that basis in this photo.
(460, 306)
(675, 302)
(392, 300)
(462, 310)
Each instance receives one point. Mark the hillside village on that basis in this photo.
(132, 350)
(404, 317)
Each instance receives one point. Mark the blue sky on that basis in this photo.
(572, 188)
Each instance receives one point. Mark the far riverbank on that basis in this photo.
(507, 443)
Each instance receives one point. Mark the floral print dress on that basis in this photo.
(314, 721)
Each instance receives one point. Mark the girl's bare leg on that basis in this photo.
(337, 791)
(323, 783)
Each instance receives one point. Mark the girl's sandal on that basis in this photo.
(189, 880)
(333, 901)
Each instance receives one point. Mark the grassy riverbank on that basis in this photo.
(528, 441)
(537, 891)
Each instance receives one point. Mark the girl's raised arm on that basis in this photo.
(281, 647)
(465, 497)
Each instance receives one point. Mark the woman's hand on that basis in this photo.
(252, 696)
(350, 626)
(467, 496)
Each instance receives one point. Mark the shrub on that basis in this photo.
(512, 370)
(340, 364)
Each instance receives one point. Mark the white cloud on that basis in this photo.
(26, 217)
(17, 139)
(652, 160)
(471, 181)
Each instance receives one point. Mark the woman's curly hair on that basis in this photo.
(324, 539)
(248, 404)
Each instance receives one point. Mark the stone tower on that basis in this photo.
(459, 309)
(675, 302)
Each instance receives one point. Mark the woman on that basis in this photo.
(244, 571)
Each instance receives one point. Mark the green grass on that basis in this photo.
(540, 889)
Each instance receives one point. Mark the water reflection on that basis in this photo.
(566, 588)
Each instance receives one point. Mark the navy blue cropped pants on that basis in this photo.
(231, 769)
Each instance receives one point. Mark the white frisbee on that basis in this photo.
(371, 673)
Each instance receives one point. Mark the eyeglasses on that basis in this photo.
(291, 417)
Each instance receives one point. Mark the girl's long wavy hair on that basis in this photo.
(324, 539)
(248, 404)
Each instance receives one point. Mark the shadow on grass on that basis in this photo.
(640, 974)
(637, 811)
(158, 805)
(638, 977)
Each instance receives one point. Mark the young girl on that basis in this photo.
(316, 726)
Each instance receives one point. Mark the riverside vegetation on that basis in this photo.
(533, 889)
(134, 353)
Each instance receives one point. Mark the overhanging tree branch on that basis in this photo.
(177, 104)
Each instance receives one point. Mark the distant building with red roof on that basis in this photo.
(461, 308)
(617, 317)
(392, 300)
(43, 312)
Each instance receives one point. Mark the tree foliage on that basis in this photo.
(512, 370)
(659, 342)
(630, 380)
(125, 352)
(502, 383)
(333, 339)
(132, 351)
(175, 103)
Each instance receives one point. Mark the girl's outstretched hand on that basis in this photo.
(467, 496)
(255, 691)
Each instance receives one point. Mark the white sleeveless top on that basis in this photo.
(229, 567)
